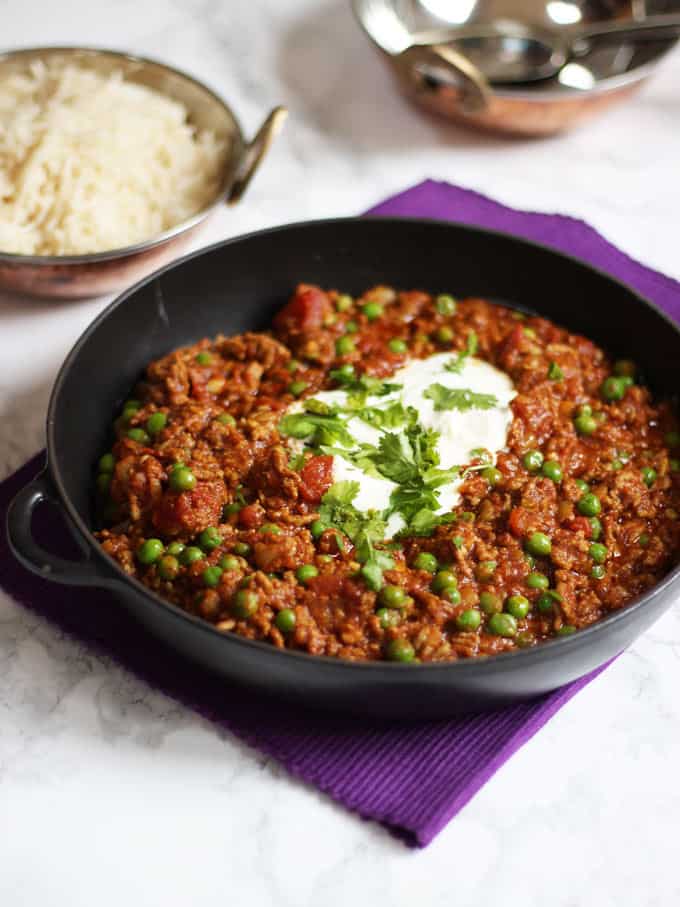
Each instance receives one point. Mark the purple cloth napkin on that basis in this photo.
(412, 778)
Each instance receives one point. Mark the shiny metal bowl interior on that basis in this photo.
(73, 276)
(607, 72)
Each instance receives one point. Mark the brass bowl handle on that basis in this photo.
(472, 84)
(254, 153)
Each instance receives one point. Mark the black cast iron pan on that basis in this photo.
(238, 285)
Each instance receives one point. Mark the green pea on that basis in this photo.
(565, 630)
(451, 594)
(674, 465)
(585, 424)
(229, 562)
(398, 346)
(490, 603)
(138, 435)
(175, 548)
(595, 528)
(444, 334)
(445, 304)
(525, 639)
(545, 603)
(344, 346)
(104, 482)
(648, 475)
(502, 625)
(270, 529)
(318, 528)
(131, 406)
(182, 479)
(492, 475)
(156, 423)
(226, 419)
(443, 579)
(230, 510)
(325, 558)
(242, 549)
(394, 597)
(533, 460)
(598, 572)
(150, 551)
(598, 552)
(485, 571)
(351, 327)
(107, 463)
(643, 540)
(293, 365)
(210, 538)
(538, 544)
(400, 650)
(244, 603)
(372, 310)
(581, 485)
(344, 372)
(372, 576)
(168, 567)
(538, 581)
(589, 504)
(285, 620)
(343, 302)
(613, 389)
(517, 606)
(306, 572)
(426, 561)
(469, 620)
(190, 555)
(204, 358)
(672, 438)
(388, 618)
(297, 387)
(211, 576)
(552, 470)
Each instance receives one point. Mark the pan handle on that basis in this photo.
(32, 555)
(255, 151)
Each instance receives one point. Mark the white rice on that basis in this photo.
(90, 163)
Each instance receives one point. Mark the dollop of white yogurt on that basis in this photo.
(460, 431)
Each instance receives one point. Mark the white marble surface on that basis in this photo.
(109, 792)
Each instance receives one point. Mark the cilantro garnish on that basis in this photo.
(316, 429)
(411, 461)
(359, 387)
(456, 364)
(363, 529)
(462, 399)
(555, 373)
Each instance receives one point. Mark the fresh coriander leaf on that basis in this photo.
(462, 399)
(316, 429)
(555, 373)
(456, 364)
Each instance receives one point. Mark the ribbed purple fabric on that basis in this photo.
(412, 778)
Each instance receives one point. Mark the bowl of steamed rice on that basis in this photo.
(108, 164)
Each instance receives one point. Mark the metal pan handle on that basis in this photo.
(32, 555)
(255, 151)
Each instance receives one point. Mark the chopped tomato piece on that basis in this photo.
(317, 478)
(581, 524)
(305, 311)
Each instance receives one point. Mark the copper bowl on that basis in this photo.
(611, 73)
(80, 276)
